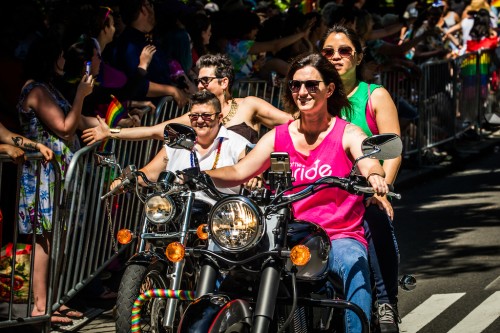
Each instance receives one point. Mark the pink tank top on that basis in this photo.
(338, 212)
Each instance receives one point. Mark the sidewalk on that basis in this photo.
(460, 152)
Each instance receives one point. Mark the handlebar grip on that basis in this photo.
(366, 189)
(124, 183)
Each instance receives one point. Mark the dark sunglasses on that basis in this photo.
(312, 86)
(204, 116)
(344, 52)
(205, 80)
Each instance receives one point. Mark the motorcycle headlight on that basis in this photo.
(159, 209)
(235, 224)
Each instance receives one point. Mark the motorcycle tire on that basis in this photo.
(137, 279)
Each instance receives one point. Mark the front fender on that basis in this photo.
(147, 258)
(214, 313)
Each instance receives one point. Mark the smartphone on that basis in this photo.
(280, 162)
(88, 64)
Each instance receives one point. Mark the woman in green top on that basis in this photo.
(375, 112)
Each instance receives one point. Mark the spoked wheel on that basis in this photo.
(137, 279)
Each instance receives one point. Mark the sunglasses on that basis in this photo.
(205, 81)
(312, 86)
(204, 116)
(344, 52)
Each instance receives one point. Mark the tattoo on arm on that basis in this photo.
(30, 146)
(17, 140)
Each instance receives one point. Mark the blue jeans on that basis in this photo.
(349, 260)
(383, 254)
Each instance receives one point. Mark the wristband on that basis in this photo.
(115, 131)
(374, 173)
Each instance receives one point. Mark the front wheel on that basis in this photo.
(137, 279)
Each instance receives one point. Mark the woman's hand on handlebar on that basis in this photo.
(378, 184)
(115, 183)
(254, 183)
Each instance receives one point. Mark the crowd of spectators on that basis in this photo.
(142, 50)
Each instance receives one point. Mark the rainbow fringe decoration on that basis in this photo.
(183, 295)
(114, 114)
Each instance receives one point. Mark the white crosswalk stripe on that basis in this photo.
(481, 317)
(427, 311)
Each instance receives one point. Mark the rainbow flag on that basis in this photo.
(115, 113)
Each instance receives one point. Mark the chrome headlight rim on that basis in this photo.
(168, 201)
(260, 228)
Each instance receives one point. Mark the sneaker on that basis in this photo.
(388, 318)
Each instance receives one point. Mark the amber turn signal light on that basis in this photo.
(124, 236)
(201, 232)
(175, 252)
(300, 255)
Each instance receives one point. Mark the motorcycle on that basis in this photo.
(172, 216)
(264, 271)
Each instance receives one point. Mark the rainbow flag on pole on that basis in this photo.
(114, 114)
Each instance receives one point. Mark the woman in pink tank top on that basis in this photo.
(320, 144)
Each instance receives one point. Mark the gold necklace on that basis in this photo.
(231, 113)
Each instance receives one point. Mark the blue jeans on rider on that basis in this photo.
(383, 254)
(349, 260)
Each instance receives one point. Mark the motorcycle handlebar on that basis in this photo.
(124, 183)
(344, 183)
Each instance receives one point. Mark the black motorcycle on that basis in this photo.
(173, 213)
(264, 271)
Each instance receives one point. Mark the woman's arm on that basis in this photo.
(370, 168)
(386, 117)
(151, 170)
(47, 110)
(255, 163)
(265, 113)
(102, 131)
(20, 141)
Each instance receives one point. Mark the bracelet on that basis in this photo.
(115, 131)
(374, 173)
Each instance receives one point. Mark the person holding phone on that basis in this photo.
(48, 118)
(320, 143)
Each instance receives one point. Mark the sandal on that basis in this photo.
(59, 319)
(70, 313)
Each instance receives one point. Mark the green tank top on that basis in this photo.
(359, 101)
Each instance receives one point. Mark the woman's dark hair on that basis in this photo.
(336, 102)
(43, 54)
(482, 24)
(76, 56)
(198, 23)
(240, 23)
(223, 66)
(352, 36)
(205, 97)
(98, 18)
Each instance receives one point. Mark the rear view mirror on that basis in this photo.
(179, 136)
(106, 159)
(382, 146)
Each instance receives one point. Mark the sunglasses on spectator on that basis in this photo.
(344, 52)
(205, 116)
(205, 81)
(312, 86)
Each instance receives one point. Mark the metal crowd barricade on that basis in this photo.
(14, 314)
(88, 241)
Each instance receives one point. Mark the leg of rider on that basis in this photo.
(349, 260)
(383, 254)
